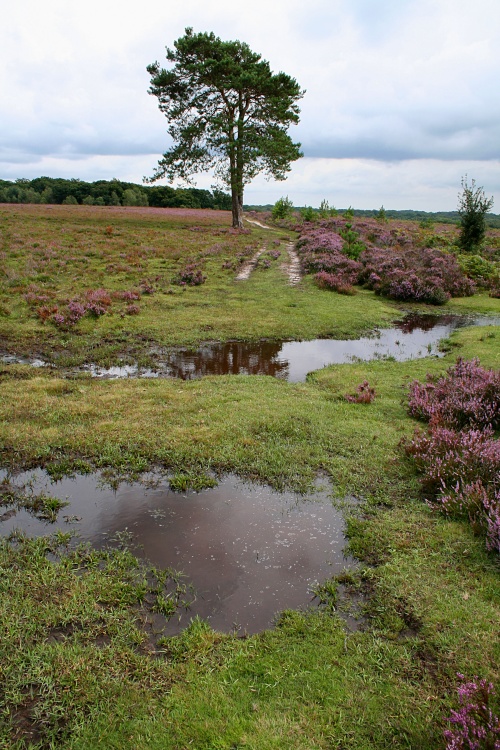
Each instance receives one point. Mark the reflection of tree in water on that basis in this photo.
(416, 321)
(233, 358)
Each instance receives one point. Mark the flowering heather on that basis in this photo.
(132, 309)
(418, 274)
(388, 260)
(467, 396)
(459, 457)
(128, 295)
(335, 282)
(97, 301)
(474, 725)
(190, 275)
(365, 394)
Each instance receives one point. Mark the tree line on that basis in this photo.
(109, 193)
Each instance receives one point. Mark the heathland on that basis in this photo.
(116, 286)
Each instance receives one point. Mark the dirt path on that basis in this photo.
(291, 267)
(257, 223)
(248, 267)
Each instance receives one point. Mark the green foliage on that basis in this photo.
(472, 207)
(282, 208)
(227, 112)
(70, 200)
(382, 215)
(134, 197)
(326, 211)
(478, 268)
(308, 213)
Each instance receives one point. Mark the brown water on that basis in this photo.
(249, 552)
(414, 337)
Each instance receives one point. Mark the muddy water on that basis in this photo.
(248, 551)
(414, 337)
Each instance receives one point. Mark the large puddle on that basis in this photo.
(414, 337)
(248, 551)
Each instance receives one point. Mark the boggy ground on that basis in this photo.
(80, 666)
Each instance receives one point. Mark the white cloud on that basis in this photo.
(398, 87)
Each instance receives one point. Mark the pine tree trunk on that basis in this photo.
(237, 208)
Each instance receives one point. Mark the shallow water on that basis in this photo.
(414, 337)
(249, 552)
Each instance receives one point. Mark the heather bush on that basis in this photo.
(335, 282)
(474, 725)
(468, 396)
(387, 260)
(97, 302)
(459, 457)
(365, 394)
(190, 275)
(417, 274)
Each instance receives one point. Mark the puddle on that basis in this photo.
(414, 337)
(248, 551)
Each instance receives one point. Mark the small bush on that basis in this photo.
(365, 394)
(190, 275)
(468, 396)
(475, 726)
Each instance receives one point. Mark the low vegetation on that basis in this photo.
(83, 661)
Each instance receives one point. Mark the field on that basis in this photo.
(78, 666)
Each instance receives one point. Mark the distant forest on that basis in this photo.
(109, 193)
(439, 217)
(118, 193)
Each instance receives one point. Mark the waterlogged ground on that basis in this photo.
(247, 552)
(83, 661)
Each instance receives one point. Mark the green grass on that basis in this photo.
(81, 666)
(62, 252)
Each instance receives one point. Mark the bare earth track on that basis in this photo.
(291, 267)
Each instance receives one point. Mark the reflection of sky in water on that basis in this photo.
(414, 337)
(249, 552)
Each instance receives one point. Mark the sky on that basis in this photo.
(402, 96)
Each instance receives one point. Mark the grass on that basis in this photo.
(61, 252)
(80, 665)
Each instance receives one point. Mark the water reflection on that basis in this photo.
(249, 552)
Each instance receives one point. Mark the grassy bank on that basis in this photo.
(81, 666)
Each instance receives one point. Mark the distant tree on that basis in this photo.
(282, 208)
(114, 199)
(227, 111)
(134, 197)
(472, 207)
(325, 210)
(382, 215)
(70, 200)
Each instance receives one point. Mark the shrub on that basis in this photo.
(365, 394)
(468, 396)
(282, 208)
(459, 458)
(472, 207)
(190, 275)
(417, 274)
(97, 302)
(475, 727)
(335, 282)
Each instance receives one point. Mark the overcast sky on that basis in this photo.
(403, 96)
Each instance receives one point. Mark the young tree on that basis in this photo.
(472, 207)
(227, 111)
